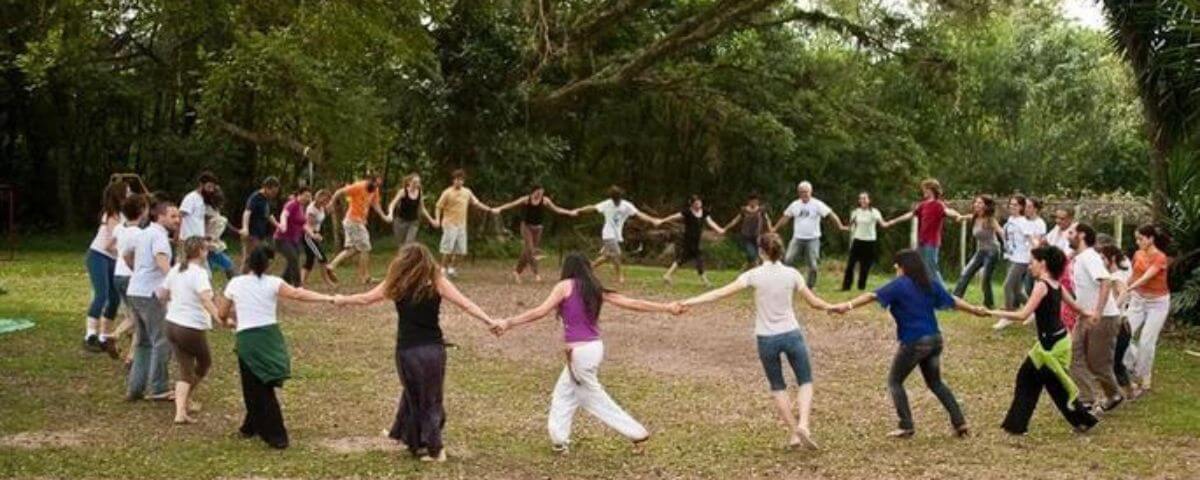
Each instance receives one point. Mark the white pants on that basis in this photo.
(577, 387)
(1149, 314)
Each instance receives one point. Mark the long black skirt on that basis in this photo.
(420, 416)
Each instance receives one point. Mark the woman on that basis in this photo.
(533, 208)
(101, 264)
(986, 230)
(406, 222)
(214, 229)
(313, 253)
(417, 286)
(1035, 234)
(695, 218)
(930, 213)
(263, 359)
(912, 298)
(190, 310)
(863, 247)
(754, 224)
(1046, 365)
(1149, 299)
(1118, 266)
(290, 234)
(1017, 251)
(577, 299)
(133, 211)
(778, 331)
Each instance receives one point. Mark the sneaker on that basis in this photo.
(902, 433)
(1112, 404)
(561, 449)
(92, 344)
(109, 345)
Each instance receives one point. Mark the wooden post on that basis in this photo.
(912, 237)
(1118, 227)
(963, 226)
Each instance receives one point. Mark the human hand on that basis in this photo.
(243, 233)
(498, 327)
(980, 312)
(574, 213)
(339, 300)
(840, 309)
(436, 224)
(677, 308)
(318, 237)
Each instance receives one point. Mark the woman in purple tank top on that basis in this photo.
(577, 299)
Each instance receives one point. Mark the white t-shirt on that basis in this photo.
(185, 308)
(103, 235)
(126, 238)
(774, 286)
(807, 218)
(1087, 270)
(1036, 227)
(1016, 240)
(254, 299)
(1058, 238)
(614, 218)
(863, 222)
(192, 209)
(146, 278)
(316, 217)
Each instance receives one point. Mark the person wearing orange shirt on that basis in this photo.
(361, 197)
(1149, 300)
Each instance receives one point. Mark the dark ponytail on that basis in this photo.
(260, 260)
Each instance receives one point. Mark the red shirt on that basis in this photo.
(930, 214)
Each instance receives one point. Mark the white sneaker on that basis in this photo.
(1001, 324)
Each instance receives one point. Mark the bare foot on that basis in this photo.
(639, 446)
(794, 441)
(666, 279)
(806, 439)
(517, 278)
(185, 420)
(901, 433)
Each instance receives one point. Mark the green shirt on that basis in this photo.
(862, 223)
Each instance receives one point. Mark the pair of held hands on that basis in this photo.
(500, 327)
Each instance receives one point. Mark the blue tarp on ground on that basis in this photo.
(9, 325)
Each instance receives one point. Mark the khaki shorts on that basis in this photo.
(454, 240)
(357, 236)
(610, 249)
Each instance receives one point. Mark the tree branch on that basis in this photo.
(263, 139)
(817, 18)
(588, 29)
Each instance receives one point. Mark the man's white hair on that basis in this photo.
(805, 185)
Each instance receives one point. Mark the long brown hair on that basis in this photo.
(193, 247)
(114, 196)
(771, 245)
(412, 274)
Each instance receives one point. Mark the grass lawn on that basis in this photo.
(695, 381)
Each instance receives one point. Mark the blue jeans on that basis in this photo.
(220, 261)
(929, 253)
(811, 247)
(792, 345)
(985, 260)
(105, 298)
(152, 350)
(750, 248)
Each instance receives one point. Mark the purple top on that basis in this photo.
(295, 222)
(578, 326)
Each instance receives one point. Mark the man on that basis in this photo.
(931, 213)
(807, 213)
(616, 210)
(1059, 236)
(361, 198)
(193, 207)
(150, 255)
(257, 222)
(451, 213)
(1094, 340)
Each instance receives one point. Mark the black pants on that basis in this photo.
(420, 416)
(1124, 336)
(263, 417)
(689, 251)
(862, 253)
(313, 253)
(926, 352)
(1030, 382)
(291, 254)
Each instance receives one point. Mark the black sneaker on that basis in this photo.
(92, 344)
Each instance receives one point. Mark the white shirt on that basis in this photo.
(254, 299)
(863, 222)
(146, 278)
(103, 235)
(1087, 271)
(1058, 238)
(614, 218)
(316, 217)
(186, 308)
(807, 218)
(192, 209)
(774, 286)
(126, 239)
(1016, 240)
(1036, 227)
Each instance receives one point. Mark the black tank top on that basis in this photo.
(533, 213)
(693, 226)
(417, 322)
(1049, 317)
(409, 206)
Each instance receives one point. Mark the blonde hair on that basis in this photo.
(192, 249)
(412, 275)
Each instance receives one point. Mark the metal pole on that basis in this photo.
(912, 237)
(1118, 227)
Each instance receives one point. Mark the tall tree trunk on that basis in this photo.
(1160, 188)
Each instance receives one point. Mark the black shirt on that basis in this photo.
(533, 213)
(417, 322)
(260, 212)
(1049, 317)
(693, 226)
(409, 206)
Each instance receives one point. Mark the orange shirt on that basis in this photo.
(1157, 285)
(360, 200)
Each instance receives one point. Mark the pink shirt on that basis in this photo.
(930, 214)
(578, 324)
(295, 222)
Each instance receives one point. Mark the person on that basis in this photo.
(912, 298)
(986, 231)
(1149, 299)
(616, 210)
(313, 253)
(1045, 366)
(257, 222)
(406, 221)
(695, 217)
(360, 196)
(1037, 230)
(133, 211)
(863, 243)
(778, 332)
(250, 301)
(190, 310)
(1064, 223)
(930, 213)
(289, 237)
(416, 285)
(151, 255)
(214, 229)
(753, 218)
(1120, 269)
(533, 211)
(101, 265)
(1016, 250)
(451, 214)
(578, 298)
(807, 213)
(1095, 335)
(193, 208)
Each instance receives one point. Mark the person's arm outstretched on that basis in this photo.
(715, 294)
(812, 298)
(639, 305)
(1035, 298)
(521, 200)
(450, 292)
(736, 218)
(480, 205)
(288, 291)
(557, 209)
(713, 225)
(783, 219)
(906, 216)
(369, 297)
(428, 218)
(556, 297)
